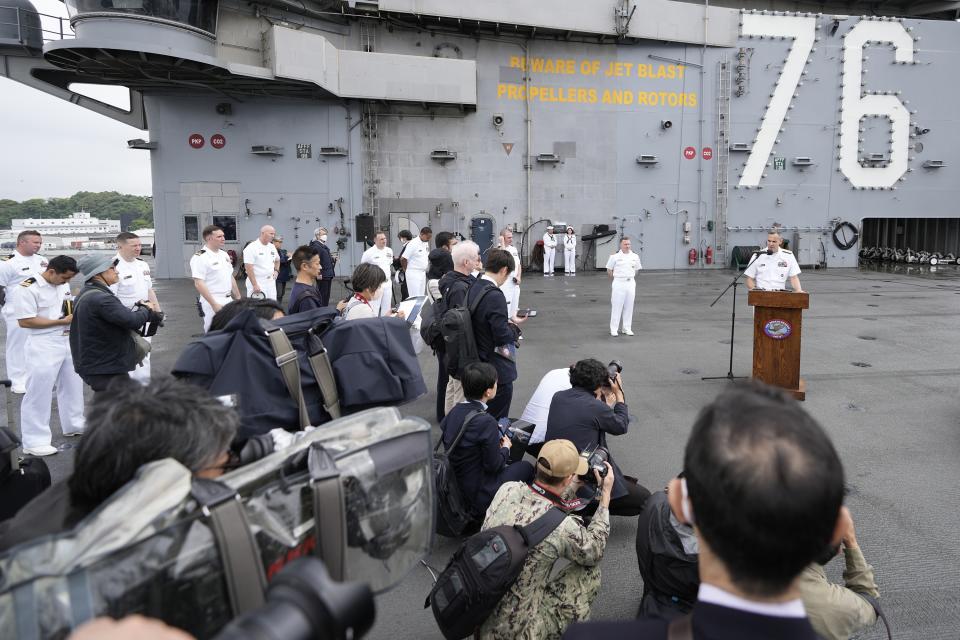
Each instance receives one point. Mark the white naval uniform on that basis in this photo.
(264, 258)
(623, 289)
(511, 290)
(18, 268)
(51, 365)
(416, 272)
(383, 258)
(549, 252)
(569, 253)
(770, 272)
(133, 286)
(216, 271)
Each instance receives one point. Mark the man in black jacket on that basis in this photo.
(327, 264)
(763, 490)
(492, 329)
(453, 288)
(481, 459)
(101, 339)
(582, 417)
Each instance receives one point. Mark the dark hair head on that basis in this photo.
(588, 374)
(130, 425)
(476, 378)
(63, 264)
(303, 254)
(123, 236)
(426, 231)
(209, 231)
(443, 239)
(497, 259)
(405, 234)
(766, 486)
(265, 309)
(367, 276)
(26, 233)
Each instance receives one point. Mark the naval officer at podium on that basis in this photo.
(771, 270)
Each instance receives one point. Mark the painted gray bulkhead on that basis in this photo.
(596, 126)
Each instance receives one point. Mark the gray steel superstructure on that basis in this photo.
(691, 128)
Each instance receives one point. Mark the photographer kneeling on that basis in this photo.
(585, 414)
(127, 427)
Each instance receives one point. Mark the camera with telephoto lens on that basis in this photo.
(613, 370)
(597, 458)
(303, 603)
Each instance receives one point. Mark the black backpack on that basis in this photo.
(431, 315)
(452, 513)
(456, 327)
(482, 570)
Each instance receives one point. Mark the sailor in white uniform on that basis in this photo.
(622, 267)
(212, 274)
(414, 261)
(570, 252)
(382, 256)
(549, 251)
(25, 262)
(770, 271)
(135, 285)
(40, 310)
(511, 287)
(262, 264)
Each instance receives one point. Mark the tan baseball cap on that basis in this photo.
(560, 458)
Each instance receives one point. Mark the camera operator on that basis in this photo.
(585, 414)
(128, 427)
(539, 604)
(101, 341)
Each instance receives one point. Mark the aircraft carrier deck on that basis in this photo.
(881, 362)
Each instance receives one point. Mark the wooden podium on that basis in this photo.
(776, 338)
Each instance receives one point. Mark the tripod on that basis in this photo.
(733, 320)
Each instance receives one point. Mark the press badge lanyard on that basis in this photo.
(567, 505)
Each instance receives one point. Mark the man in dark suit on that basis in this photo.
(481, 459)
(492, 328)
(325, 279)
(763, 489)
(582, 417)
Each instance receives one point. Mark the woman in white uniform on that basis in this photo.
(570, 252)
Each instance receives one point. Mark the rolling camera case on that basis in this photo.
(197, 553)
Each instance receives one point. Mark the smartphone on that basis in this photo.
(527, 313)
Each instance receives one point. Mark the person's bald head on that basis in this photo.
(267, 234)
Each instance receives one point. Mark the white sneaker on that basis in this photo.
(42, 450)
(627, 332)
(18, 389)
(613, 334)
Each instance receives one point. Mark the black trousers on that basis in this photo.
(441, 385)
(499, 407)
(100, 382)
(323, 288)
(281, 289)
(627, 505)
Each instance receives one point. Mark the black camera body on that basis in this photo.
(614, 369)
(597, 458)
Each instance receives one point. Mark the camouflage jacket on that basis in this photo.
(520, 613)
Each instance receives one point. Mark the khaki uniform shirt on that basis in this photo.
(836, 612)
(527, 610)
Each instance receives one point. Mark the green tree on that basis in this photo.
(103, 204)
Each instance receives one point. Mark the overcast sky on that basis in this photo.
(51, 148)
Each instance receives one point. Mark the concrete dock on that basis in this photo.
(882, 366)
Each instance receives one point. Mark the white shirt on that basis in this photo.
(771, 271)
(549, 241)
(263, 257)
(624, 265)
(135, 281)
(538, 409)
(383, 258)
(40, 299)
(570, 242)
(717, 596)
(17, 268)
(215, 269)
(512, 250)
(416, 254)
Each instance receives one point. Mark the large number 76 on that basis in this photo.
(855, 103)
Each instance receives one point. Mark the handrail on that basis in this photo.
(47, 34)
